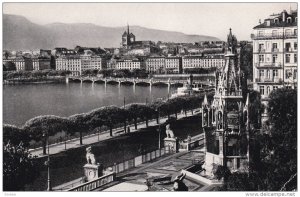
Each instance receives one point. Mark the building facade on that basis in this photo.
(22, 63)
(173, 65)
(41, 63)
(91, 62)
(207, 61)
(128, 63)
(71, 63)
(275, 54)
(155, 64)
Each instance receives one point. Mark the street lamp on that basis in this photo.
(49, 188)
(225, 139)
(158, 122)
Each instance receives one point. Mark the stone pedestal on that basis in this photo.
(92, 171)
(171, 145)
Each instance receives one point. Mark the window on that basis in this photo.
(268, 74)
(295, 45)
(287, 58)
(288, 46)
(275, 73)
(261, 58)
(289, 20)
(261, 73)
(274, 58)
(275, 87)
(260, 47)
(262, 90)
(274, 47)
(276, 20)
(295, 58)
(260, 33)
(268, 90)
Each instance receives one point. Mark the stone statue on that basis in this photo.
(90, 157)
(169, 132)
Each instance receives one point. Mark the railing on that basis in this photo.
(274, 36)
(274, 80)
(94, 184)
(275, 50)
(267, 64)
(131, 163)
(195, 142)
(290, 50)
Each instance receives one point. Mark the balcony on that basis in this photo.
(268, 65)
(273, 36)
(290, 50)
(261, 51)
(268, 80)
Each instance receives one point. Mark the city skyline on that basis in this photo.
(169, 16)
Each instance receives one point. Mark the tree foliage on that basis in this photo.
(19, 167)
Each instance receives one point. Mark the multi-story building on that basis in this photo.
(207, 61)
(155, 64)
(70, 62)
(173, 65)
(128, 63)
(275, 54)
(22, 63)
(90, 61)
(41, 63)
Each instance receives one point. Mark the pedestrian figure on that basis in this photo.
(178, 183)
(128, 130)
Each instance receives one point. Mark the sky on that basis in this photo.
(212, 19)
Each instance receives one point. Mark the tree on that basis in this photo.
(19, 167)
(280, 151)
(255, 109)
(134, 111)
(15, 135)
(47, 125)
(79, 124)
(10, 66)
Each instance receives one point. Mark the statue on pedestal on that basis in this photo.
(90, 157)
(92, 170)
(169, 132)
(171, 142)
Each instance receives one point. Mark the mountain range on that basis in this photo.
(21, 34)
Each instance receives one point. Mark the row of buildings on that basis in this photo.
(67, 59)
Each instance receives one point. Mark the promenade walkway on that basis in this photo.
(93, 138)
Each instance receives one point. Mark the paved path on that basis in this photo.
(90, 139)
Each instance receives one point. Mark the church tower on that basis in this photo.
(225, 122)
(127, 38)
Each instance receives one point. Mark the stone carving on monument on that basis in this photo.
(92, 170)
(170, 142)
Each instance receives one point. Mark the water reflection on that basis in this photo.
(23, 102)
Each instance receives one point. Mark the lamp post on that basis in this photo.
(49, 188)
(225, 136)
(157, 110)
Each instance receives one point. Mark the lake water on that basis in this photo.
(23, 102)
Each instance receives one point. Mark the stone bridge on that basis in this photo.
(133, 81)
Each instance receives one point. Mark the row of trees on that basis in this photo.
(124, 73)
(200, 70)
(36, 74)
(273, 151)
(110, 116)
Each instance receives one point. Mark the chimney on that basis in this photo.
(259, 21)
(283, 15)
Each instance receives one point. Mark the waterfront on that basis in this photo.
(23, 102)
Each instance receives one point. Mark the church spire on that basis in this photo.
(127, 29)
